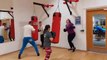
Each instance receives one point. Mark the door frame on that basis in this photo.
(89, 31)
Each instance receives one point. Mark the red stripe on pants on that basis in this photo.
(48, 53)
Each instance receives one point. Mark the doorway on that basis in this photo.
(96, 30)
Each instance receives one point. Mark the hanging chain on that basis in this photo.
(58, 6)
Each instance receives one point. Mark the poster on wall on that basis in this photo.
(78, 20)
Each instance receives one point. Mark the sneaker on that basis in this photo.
(74, 50)
(19, 56)
(70, 49)
(38, 54)
(41, 46)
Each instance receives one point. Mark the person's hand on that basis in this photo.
(64, 30)
(53, 34)
(39, 30)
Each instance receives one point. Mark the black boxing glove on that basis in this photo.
(53, 34)
(64, 30)
(39, 30)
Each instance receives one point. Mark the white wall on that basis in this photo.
(79, 41)
(6, 4)
(23, 10)
(22, 13)
(95, 3)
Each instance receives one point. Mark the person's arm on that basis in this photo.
(33, 30)
(65, 29)
(53, 34)
(42, 28)
(7, 28)
(51, 39)
(72, 27)
(39, 30)
(4, 28)
(50, 36)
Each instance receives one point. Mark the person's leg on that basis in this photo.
(1, 39)
(71, 38)
(25, 41)
(9, 36)
(48, 53)
(69, 41)
(42, 39)
(32, 42)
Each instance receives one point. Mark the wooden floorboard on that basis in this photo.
(57, 54)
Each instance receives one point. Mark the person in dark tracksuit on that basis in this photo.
(71, 34)
(28, 30)
(41, 29)
(47, 41)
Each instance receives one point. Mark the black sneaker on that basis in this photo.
(70, 49)
(38, 54)
(41, 46)
(74, 50)
(19, 56)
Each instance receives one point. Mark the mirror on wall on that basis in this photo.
(99, 30)
(7, 33)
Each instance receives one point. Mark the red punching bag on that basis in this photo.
(34, 20)
(75, 0)
(56, 26)
(12, 31)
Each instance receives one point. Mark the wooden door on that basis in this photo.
(96, 30)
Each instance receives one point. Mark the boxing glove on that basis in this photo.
(53, 34)
(64, 30)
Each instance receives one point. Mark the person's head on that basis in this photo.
(34, 17)
(47, 28)
(4, 24)
(30, 22)
(40, 23)
(68, 21)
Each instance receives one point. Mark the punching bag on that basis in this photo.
(12, 31)
(56, 26)
(34, 20)
(75, 0)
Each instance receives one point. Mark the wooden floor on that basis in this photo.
(57, 54)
